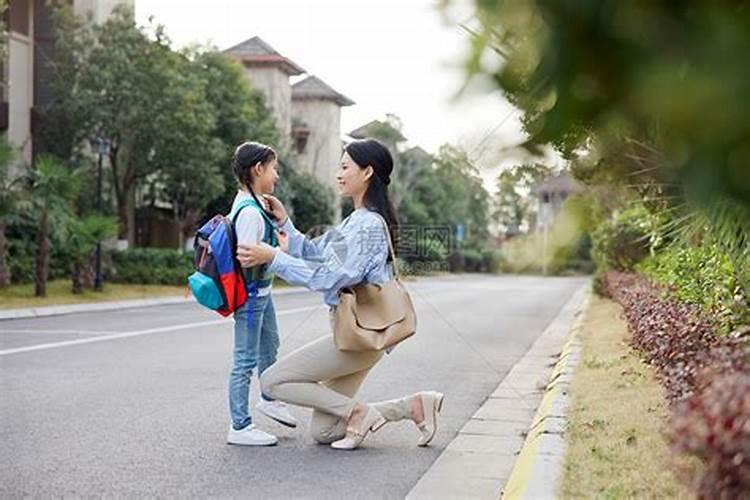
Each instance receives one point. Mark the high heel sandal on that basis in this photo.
(371, 422)
(432, 405)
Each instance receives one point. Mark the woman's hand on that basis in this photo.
(283, 241)
(276, 208)
(255, 255)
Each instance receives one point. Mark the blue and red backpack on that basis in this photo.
(219, 282)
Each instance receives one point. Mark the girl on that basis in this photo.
(318, 375)
(256, 337)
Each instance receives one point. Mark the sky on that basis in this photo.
(389, 56)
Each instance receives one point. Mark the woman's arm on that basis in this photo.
(302, 246)
(345, 261)
(299, 244)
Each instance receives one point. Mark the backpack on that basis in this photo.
(219, 282)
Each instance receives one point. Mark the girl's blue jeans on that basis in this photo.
(256, 344)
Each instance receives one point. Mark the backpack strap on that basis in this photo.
(258, 276)
(270, 225)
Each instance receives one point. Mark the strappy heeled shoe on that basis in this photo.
(432, 405)
(372, 421)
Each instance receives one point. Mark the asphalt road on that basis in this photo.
(132, 403)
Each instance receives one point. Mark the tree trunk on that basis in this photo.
(77, 275)
(4, 269)
(130, 210)
(126, 214)
(88, 271)
(41, 272)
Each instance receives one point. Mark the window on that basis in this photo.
(18, 11)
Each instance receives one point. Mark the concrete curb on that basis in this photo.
(485, 453)
(40, 312)
(537, 471)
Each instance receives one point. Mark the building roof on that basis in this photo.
(366, 131)
(256, 52)
(418, 152)
(558, 183)
(313, 87)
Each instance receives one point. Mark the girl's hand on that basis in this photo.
(255, 255)
(276, 208)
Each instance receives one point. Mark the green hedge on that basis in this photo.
(624, 240)
(151, 266)
(703, 276)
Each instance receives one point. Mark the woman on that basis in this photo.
(256, 337)
(318, 375)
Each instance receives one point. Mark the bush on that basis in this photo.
(624, 240)
(703, 276)
(491, 260)
(714, 425)
(151, 266)
(707, 378)
(21, 249)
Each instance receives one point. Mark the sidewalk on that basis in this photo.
(40, 312)
(512, 446)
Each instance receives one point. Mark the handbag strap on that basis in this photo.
(394, 262)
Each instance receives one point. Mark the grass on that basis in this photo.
(615, 435)
(59, 292)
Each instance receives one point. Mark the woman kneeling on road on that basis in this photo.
(318, 375)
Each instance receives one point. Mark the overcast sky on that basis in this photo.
(389, 56)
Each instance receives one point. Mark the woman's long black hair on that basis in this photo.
(247, 155)
(371, 152)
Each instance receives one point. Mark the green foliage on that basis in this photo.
(624, 240)
(568, 243)
(310, 200)
(152, 266)
(173, 119)
(642, 95)
(702, 275)
(241, 115)
(514, 206)
(53, 186)
(82, 234)
(448, 193)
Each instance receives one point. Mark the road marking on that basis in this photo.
(137, 333)
(74, 332)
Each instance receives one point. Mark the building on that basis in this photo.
(316, 127)
(269, 72)
(31, 45)
(307, 113)
(551, 193)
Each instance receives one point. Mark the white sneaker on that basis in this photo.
(278, 411)
(250, 436)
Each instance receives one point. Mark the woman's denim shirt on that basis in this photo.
(353, 252)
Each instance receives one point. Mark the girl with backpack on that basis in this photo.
(256, 337)
(319, 375)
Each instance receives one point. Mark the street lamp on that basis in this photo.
(100, 146)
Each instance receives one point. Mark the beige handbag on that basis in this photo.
(373, 317)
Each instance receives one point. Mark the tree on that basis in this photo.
(241, 115)
(448, 193)
(650, 90)
(82, 237)
(510, 208)
(52, 188)
(113, 80)
(311, 201)
(186, 155)
(10, 190)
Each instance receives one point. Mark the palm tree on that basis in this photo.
(9, 195)
(83, 234)
(53, 187)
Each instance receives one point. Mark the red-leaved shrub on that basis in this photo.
(706, 377)
(714, 425)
